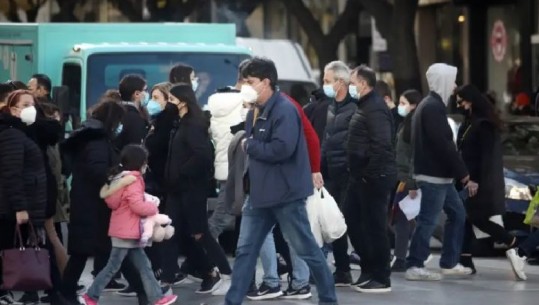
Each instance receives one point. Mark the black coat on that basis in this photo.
(435, 153)
(23, 182)
(481, 148)
(189, 169)
(334, 156)
(370, 144)
(46, 133)
(92, 155)
(135, 128)
(157, 144)
(317, 111)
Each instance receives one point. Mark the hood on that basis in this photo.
(222, 104)
(112, 192)
(91, 129)
(441, 78)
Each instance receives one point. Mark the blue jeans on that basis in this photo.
(142, 264)
(436, 197)
(268, 256)
(256, 223)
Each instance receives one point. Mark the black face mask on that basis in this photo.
(463, 111)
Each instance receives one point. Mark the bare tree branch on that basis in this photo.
(305, 17)
(381, 10)
(346, 22)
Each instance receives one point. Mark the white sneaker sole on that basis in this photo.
(452, 272)
(214, 288)
(379, 290)
(268, 296)
(297, 296)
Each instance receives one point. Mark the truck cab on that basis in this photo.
(85, 60)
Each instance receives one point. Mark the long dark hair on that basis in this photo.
(180, 73)
(186, 95)
(132, 158)
(481, 107)
(110, 113)
(413, 97)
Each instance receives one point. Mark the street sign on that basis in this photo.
(498, 41)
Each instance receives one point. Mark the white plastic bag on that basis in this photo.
(330, 216)
(410, 207)
(312, 206)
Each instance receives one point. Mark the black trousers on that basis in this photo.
(366, 217)
(202, 253)
(338, 187)
(7, 227)
(497, 232)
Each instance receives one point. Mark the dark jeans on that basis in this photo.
(497, 232)
(366, 217)
(201, 253)
(7, 227)
(338, 187)
(434, 199)
(529, 246)
(256, 223)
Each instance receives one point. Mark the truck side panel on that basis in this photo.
(18, 52)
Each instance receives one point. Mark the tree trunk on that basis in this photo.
(403, 48)
(326, 55)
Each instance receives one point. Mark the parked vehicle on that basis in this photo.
(83, 60)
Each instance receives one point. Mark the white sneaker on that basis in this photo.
(224, 287)
(517, 263)
(457, 270)
(428, 260)
(422, 274)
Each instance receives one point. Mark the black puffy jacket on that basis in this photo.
(371, 152)
(23, 182)
(334, 157)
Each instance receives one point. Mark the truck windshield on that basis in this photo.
(214, 71)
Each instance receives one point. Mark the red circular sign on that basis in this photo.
(498, 41)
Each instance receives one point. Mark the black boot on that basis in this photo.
(467, 261)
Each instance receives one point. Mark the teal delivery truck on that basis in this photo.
(84, 60)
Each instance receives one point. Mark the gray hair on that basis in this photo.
(340, 70)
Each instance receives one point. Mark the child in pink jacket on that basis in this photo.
(124, 194)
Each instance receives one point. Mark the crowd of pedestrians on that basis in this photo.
(148, 151)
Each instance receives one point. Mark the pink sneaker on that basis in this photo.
(88, 300)
(167, 300)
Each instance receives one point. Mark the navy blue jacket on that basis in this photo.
(279, 170)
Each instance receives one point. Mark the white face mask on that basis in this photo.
(243, 114)
(248, 94)
(28, 115)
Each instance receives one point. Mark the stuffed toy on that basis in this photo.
(156, 228)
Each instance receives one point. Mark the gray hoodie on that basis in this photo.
(441, 78)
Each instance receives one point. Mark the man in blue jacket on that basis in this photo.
(278, 181)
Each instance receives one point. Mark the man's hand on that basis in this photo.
(22, 217)
(472, 188)
(318, 180)
(412, 194)
(465, 180)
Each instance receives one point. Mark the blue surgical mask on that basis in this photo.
(329, 91)
(353, 91)
(119, 129)
(194, 84)
(145, 99)
(154, 108)
(403, 112)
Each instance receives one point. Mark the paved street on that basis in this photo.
(493, 285)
